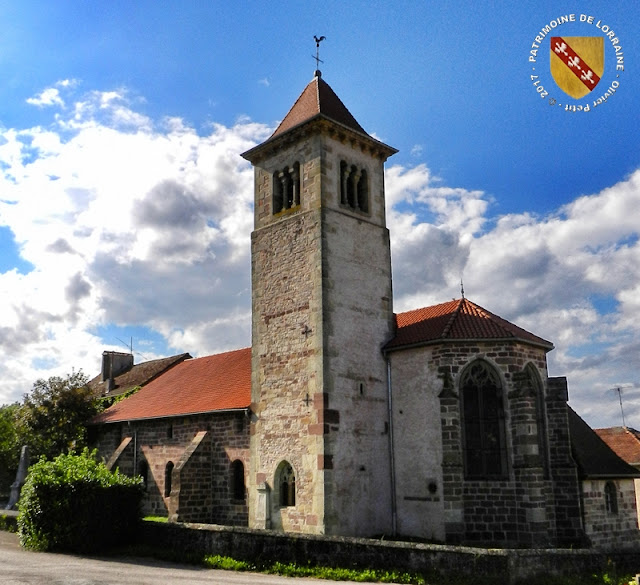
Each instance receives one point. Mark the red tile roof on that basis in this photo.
(624, 441)
(138, 375)
(318, 98)
(208, 384)
(457, 320)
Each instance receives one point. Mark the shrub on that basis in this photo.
(74, 503)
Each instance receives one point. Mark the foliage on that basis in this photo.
(382, 576)
(74, 503)
(9, 446)
(161, 519)
(8, 523)
(52, 417)
(105, 402)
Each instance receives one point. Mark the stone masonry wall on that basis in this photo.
(202, 449)
(606, 529)
(287, 399)
(321, 311)
(436, 562)
(522, 509)
(418, 453)
(358, 318)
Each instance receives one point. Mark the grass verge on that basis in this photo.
(382, 576)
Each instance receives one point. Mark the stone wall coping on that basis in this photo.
(382, 542)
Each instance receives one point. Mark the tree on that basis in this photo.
(9, 446)
(53, 416)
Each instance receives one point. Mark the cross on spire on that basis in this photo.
(318, 40)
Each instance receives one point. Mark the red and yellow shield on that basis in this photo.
(577, 63)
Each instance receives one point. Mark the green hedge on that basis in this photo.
(74, 503)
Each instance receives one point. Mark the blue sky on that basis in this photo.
(125, 210)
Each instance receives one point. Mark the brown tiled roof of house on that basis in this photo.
(138, 375)
(625, 441)
(207, 384)
(318, 98)
(594, 457)
(457, 320)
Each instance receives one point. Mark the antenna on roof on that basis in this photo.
(462, 288)
(130, 347)
(619, 391)
(318, 40)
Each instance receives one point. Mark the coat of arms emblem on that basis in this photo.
(577, 63)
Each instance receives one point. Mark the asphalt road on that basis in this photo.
(20, 567)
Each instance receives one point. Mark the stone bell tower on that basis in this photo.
(322, 308)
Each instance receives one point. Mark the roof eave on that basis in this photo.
(547, 347)
(166, 416)
(584, 475)
(274, 142)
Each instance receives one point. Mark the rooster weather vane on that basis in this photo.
(318, 40)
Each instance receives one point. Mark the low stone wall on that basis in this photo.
(505, 565)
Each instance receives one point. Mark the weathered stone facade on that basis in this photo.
(187, 463)
(435, 499)
(321, 281)
(610, 519)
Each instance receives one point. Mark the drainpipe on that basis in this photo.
(392, 462)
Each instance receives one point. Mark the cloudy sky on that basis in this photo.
(126, 210)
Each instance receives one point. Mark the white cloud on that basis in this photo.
(126, 222)
(572, 277)
(48, 97)
(140, 223)
(51, 95)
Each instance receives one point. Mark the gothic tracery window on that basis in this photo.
(483, 412)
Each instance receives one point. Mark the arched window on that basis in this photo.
(143, 471)
(610, 498)
(168, 471)
(483, 412)
(286, 482)
(354, 187)
(286, 188)
(237, 480)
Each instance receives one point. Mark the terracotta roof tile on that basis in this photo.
(318, 98)
(625, 441)
(138, 375)
(207, 384)
(593, 456)
(459, 320)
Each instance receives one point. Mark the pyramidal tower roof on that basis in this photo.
(318, 99)
(318, 103)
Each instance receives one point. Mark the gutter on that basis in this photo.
(245, 409)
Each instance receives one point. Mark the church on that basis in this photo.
(343, 417)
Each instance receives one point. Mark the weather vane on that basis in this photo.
(318, 40)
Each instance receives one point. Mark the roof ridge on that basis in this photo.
(452, 319)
